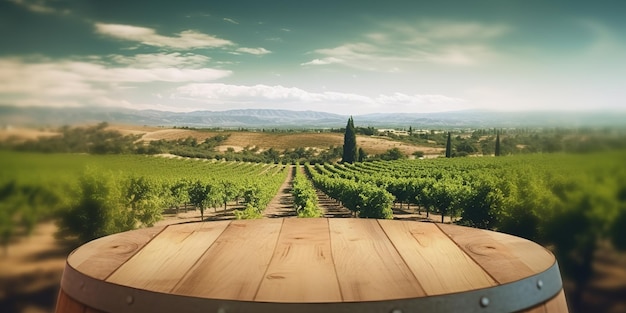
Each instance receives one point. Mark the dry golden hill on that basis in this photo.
(241, 139)
(281, 141)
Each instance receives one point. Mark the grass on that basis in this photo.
(280, 141)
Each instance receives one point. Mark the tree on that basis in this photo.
(482, 206)
(392, 154)
(349, 143)
(497, 144)
(198, 195)
(466, 147)
(362, 155)
(375, 202)
(97, 209)
(178, 194)
(449, 147)
(21, 208)
(228, 192)
(142, 196)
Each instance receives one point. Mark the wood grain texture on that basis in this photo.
(236, 262)
(557, 304)
(307, 261)
(368, 266)
(536, 257)
(439, 264)
(498, 259)
(541, 308)
(65, 304)
(99, 258)
(302, 268)
(163, 262)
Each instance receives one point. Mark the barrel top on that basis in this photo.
(310, 260)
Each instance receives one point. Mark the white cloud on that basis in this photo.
(244, 93)
(187, 39)
(404, 102)
(324, 61)
(255, 51)
(26, 81)
(138, 75)
(279, 97)
(605, 42)
(398, 45)
(230, 20)
(451, 30)
(179, 82)
(162, 60)
(39, 6)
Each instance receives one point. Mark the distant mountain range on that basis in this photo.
(267, 118)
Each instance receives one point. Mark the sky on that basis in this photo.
(344, 57)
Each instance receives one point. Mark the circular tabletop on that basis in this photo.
(342, 264)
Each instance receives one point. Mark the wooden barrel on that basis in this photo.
(311, 265)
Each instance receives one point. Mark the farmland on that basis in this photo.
(238, 140)
(573, 204)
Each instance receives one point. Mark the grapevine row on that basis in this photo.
(93, 196)
(305, 198)
(363, 199)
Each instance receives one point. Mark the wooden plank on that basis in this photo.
(496, 257)
(161, 264)
(303, 254)
(439, 264)
(541, 308)
(65, 304)
(557, 304)
(533, 255)
(368, 266)
(99, 258)
(236, 262)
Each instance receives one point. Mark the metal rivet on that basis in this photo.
(484, 302)
(540, 284)
(396, 311)
(129, 300)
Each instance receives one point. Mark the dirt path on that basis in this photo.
(282, 203)
(412, 215)
(31, 271)
(30, 274)
(330, 207)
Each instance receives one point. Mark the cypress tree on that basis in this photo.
(361, 154)
(498, 144)
(449, 147)
(349, 143)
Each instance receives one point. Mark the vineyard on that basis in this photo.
(93, 196)
(570, 203)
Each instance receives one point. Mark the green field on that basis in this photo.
(570, 203)
(95, 195)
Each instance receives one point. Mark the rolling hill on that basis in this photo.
(268, 118)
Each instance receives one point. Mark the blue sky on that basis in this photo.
(348, 57)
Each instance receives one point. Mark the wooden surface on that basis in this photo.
(313, 260)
